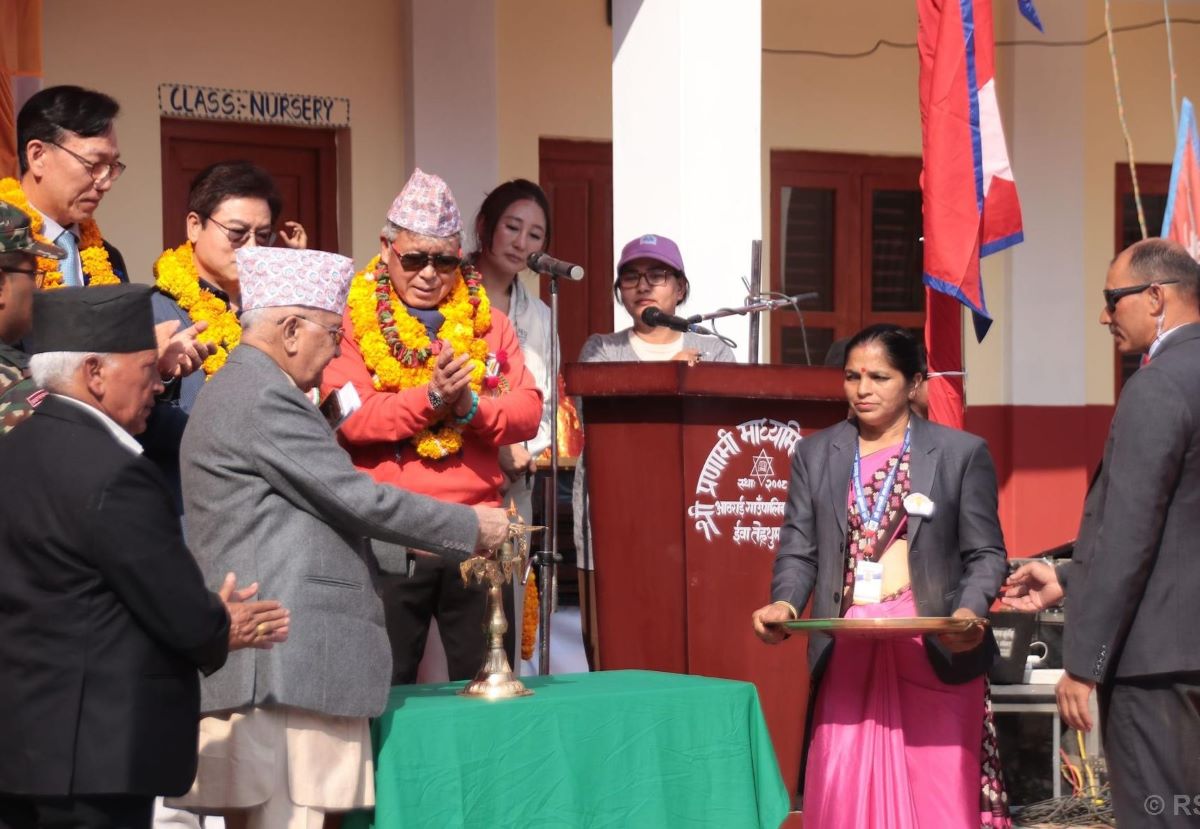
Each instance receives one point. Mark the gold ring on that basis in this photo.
(261, 630)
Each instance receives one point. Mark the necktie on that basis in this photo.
(72, 278)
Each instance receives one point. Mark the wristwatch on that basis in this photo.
(436, 401)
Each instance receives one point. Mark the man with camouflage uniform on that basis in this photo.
(19, 253)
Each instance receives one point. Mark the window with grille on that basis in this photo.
(847, 228)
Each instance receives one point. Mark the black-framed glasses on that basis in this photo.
(417, 260)
(238, 236)
(335, 332)
(1113, 295)
(654, 277)
(100, 171)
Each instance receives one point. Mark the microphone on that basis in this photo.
(543, 263)
(655, 318)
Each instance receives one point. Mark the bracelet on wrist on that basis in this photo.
(470, 415)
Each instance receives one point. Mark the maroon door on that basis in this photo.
(577, 177)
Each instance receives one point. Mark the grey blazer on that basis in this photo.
(270, 495)
(1135, 579)
(956, 556)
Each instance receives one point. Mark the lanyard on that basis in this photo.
(882, 495)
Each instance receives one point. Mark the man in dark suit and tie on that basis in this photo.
(1133, 586)
(69, 159)
(104, 616)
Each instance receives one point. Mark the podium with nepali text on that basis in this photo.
(687, 472)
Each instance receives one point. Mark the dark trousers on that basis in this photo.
(435, 590)
(1151, 729)
(113, 811)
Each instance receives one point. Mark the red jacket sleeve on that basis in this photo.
(513, 416)
(384, 416)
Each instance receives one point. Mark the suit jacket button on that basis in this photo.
(837, 597)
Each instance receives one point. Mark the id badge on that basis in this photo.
(868, 582)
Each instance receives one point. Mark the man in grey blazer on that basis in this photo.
(1134, 581)
(267, 488)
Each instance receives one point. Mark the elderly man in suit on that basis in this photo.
(1132, 586)
(104, 617)
(267, 489)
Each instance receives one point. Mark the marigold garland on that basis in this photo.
(399, 353)
(176, 276)
(92, 253)
(529, 616)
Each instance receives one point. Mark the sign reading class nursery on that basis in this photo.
(293, 109)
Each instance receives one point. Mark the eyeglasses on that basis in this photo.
(654, 277)
(418, 260)
(239, 236)
(335, 332)
(100, 171)
(1113, 295)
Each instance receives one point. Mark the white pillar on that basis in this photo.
(451, 111)
(1049, 316)
(687, 92)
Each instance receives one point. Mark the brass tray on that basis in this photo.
(898, 626)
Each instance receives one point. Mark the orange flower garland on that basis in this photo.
(92, 253)
(410, 361)
(529, 616)
(176, 276)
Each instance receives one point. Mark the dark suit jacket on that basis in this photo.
(1135, 581)
(956, 556)
(104, 617)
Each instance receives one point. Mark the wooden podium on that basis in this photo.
(687, 476)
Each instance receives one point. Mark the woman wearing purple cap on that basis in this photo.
(649, 275)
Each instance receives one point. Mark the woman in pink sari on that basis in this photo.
(889, 515)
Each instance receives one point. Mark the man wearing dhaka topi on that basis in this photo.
(265, 485)
(443, 385)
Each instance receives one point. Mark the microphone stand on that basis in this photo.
(547, 558)
(751, 307)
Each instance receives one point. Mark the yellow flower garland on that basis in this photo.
(176, 276)
(463, 330)
(92, 253)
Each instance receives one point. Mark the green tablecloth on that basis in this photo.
(613, 749)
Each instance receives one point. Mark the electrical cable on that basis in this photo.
(1132, 27)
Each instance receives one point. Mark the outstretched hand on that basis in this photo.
(1033, 587)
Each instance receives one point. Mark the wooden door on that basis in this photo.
(577, 177)
(302, 160)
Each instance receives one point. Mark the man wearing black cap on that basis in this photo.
(19, 253)
(104, 617)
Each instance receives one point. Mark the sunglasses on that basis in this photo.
(414, 261)
(238, 236)
(1113, 295)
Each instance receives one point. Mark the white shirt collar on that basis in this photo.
(52, 229)
(1161, 338)
(123, 437)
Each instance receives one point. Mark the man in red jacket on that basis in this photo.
(443, 386)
